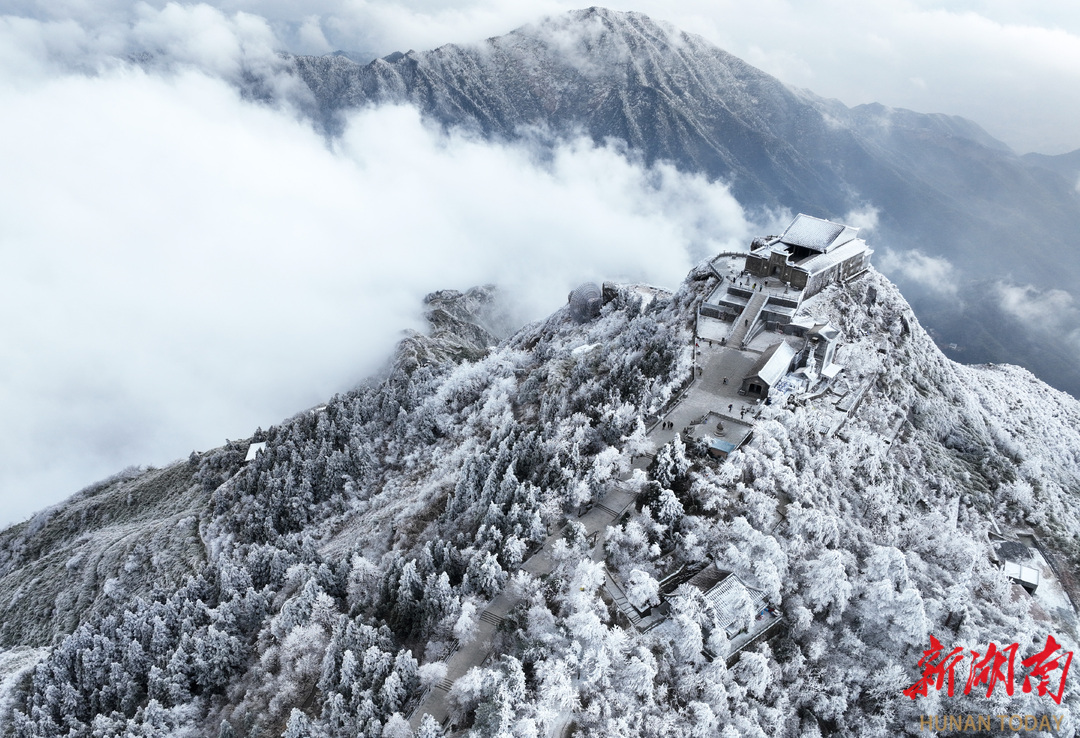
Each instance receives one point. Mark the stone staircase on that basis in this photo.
(747, 318)
(621, 602)
(490, 618)
(608, 510)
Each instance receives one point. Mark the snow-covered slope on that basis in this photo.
(347, 568)
(114, 540)
(939, 184)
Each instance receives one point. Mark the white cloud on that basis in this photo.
(1053, 313)
(204, 37)
(932, 272)
(1052, 309)
(864, 218)
(312, 38)
(181, 265)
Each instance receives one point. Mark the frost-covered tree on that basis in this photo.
(642, 590)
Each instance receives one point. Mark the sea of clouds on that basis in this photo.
(183, 265)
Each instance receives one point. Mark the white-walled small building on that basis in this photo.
(768, 370)
(254, 450)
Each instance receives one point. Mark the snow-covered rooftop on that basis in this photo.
(721, 445)
(1019, 572)
(726, 594)
(253, 450)
(774, 363)
(822, 261)
(826, 330)
(817, 234)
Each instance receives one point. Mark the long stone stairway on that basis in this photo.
(747, 318)
(621, 601)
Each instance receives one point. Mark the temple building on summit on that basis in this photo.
(809, 364)
(782, 272)
(762, 308)
(768, 370)
(810, 255)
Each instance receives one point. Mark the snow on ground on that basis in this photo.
(14, 664)
(648, 293)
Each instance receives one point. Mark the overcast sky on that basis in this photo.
(181, 266)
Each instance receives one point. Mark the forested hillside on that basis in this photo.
(329, 577)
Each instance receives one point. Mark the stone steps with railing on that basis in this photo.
(747, 319)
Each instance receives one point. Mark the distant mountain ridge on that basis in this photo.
(1067, 165)
(939, 184)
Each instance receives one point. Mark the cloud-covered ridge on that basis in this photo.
(184, 264)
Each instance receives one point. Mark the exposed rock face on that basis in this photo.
(585, 302)
(464, 326)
